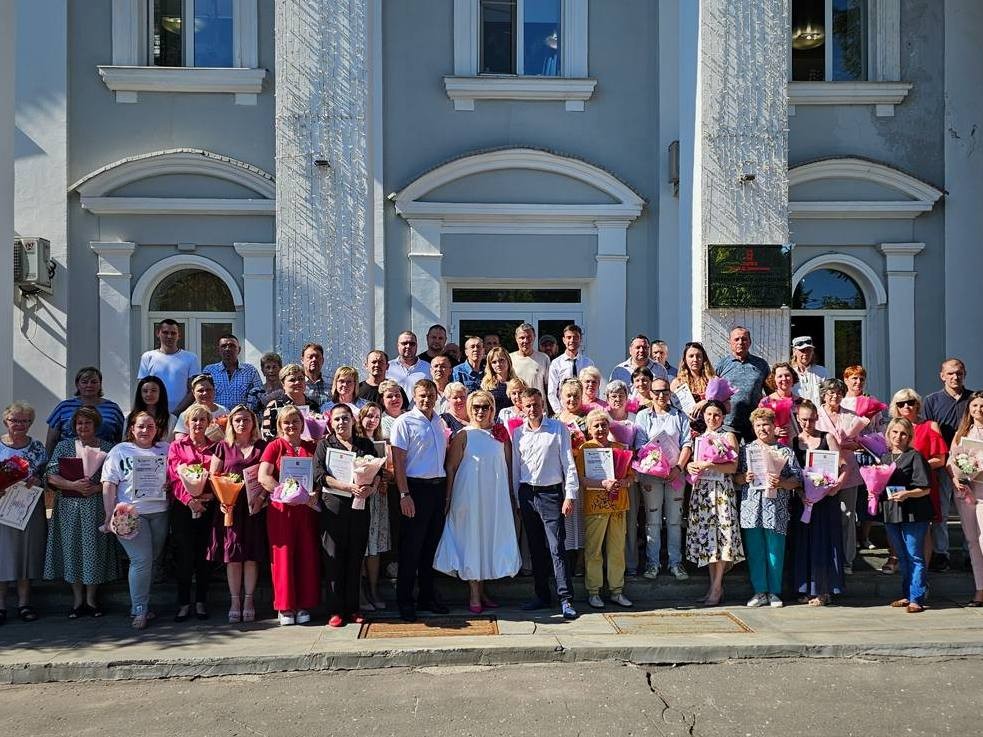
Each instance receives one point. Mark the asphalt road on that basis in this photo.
(823, 698)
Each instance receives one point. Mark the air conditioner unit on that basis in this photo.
(32, 265)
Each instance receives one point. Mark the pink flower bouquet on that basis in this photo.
(125, 522)
(622, 462)
(817, 485)
(716, 450)
(719, 388)
(513, 424)
(875, 443)
(623, 431)
(868, 407)
(633, 405)
(315, 426)
(652, 461)
(968, 464)
(194, 476)
(366, 468)
(291, 492)
(783, 413)
(875, 478)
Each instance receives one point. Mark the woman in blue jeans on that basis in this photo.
(907, 511)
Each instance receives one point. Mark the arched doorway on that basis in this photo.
(201, 303)
(830, 306)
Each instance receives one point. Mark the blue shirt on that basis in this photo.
(946, 410)
(110, 429)
(232, 391)
(471, 378)
(748, 380)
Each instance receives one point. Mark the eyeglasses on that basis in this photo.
(660, 392)
(906, 403)
(481, 407)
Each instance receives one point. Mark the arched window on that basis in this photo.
(202, 305)
(829, 306)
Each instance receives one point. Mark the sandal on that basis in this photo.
(94, 610)
(819, 601)
(79, 611)
(248, 609)
(27, 614)
(139, 622)
(891, 566)
(899, 603)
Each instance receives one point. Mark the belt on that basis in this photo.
(540, 489)
(418, 480)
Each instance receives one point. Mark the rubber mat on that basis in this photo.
(677, 623)
(430, 627)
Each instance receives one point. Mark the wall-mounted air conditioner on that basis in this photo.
(33, 267)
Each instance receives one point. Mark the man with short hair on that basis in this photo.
(469, 371)
(440, 373)
(545, 483)
(549, 345)
(660, 354)
(312, 360)
(436, 340)
(638, 357)
(946, 407)
(530, 365)
(491, 340)
(567, 365)
(407, 368)
(810, 375)
(746, 373)
(376, 365)
(233, 380)
(172, 365)
(419, 447)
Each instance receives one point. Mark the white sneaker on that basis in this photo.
(621, 600)
(651, 573)
(286, 619)
(596, 602)
(679, 572)
(758, 600)
(303, 616)
(774, 601)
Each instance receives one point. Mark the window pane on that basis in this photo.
(828, 289)
(190, 290)
(210, 333)
(168, 27)
(551, 296)
(213, 33)
(504, 329)
(849, 40)
(808, 40)
(498, 36)
(541, 32)
(848, 336)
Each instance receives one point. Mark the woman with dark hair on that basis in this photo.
(88, 393)
(969, 493)
(151, 397)
(695, 372)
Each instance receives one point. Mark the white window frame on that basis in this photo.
(883, 88)
(531, 312)
(466, 85)
(131, 71)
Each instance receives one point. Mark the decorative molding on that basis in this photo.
(127, 81)
(849, 264)
(862, 169)
(885, 18)
(884, 95)
(575, 35)
(465, 90)
(150, 278)
(194, 161)
(466, 32)
(177, 206)
(114, 258)
(258, 267)
(900, 257)
(114, 323)
(862, 210)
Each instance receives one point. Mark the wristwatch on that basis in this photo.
(403, 494)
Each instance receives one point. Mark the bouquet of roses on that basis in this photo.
(227, 488)
(817, 485)
(623, 431)
(125, 522)
(577, 439)
(875, 478)
(315, 426)
(633, 405)
(868, 407)
(850, 426)
(292, 492)
(12, 470)
(968, 464)
(875, 443)
(718, 388)
(499, 432)
(783, 413)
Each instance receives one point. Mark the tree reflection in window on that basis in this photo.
(192, 290)
(828, 289)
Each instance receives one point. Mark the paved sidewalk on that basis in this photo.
(55, 649)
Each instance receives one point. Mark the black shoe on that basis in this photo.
(940, 563)
(407, 614)
(534, 604)
(183, 613)
(201, 611)
(436, 607)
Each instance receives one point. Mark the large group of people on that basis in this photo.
(482, 465)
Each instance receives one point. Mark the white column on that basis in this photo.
(8, 58)
(114, 318)
(606, 319)
(425, 276)
(901, 340)
(258, 261)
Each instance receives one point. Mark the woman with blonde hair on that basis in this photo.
(294, 383)
(344, 388)
(572, 414)
(498, 373)
(242, 546)
(391, 400)
(590, 381)
(514, 387)
(456, 415)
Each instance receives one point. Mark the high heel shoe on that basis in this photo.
(235, 611)
(474, 608)
(711, 602)
(248, 609)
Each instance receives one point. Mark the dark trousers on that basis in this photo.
(419, 536)
(344, 535)
(543, 519)
(190, 538)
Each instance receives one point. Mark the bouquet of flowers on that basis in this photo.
(12, 470)
(875, 478)
(817, 485)
(652, 461)
(968, 464)
(850, 425)
(193, 476)
(622, 462)
(513, 424)
(623, 431)
(716, 450)
(633, 405)
(875, 443)
(577, 439)
(125, 522)
(227, 488)
(365, 470)
(868, 407)
(499, 432)
(783, 413)
(292, 492)
(315, 426)
(719, 388)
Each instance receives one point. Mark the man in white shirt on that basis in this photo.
(638, 357)
(419, 446)
(407, 368)
(810, 374)
(530, 365)
(545, 483)
(172, 365)
(567, 365)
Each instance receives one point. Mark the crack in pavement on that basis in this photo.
(677, 720)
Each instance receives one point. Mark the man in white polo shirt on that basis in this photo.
(407, 368)
(419, 445)
(172, 365)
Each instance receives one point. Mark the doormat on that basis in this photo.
(430, 627)
(678, 623)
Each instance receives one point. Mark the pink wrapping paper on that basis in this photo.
(875, 478)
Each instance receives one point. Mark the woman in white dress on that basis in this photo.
(479, 542)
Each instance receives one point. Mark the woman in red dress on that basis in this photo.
(292, 529)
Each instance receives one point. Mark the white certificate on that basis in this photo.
(598, 463)
(341, 464)
(824, 461)
(18, 503)
(300, 469)
(149, 479)
(686, 399)
(968, 444)
(757, 464)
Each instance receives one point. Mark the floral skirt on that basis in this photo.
(714, 531)
(379, 541)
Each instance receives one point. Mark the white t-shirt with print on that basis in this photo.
(118, 469)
